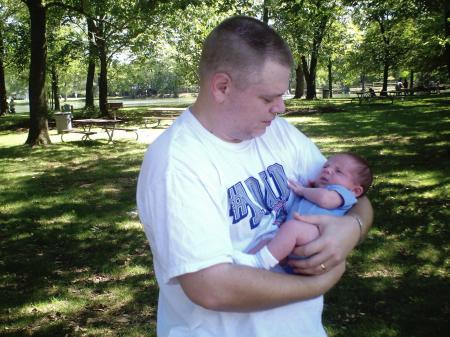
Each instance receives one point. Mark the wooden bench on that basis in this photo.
(368, 97)
(110, 130)
(86, 134)
(157, 120)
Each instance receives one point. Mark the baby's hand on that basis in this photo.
(296, 187)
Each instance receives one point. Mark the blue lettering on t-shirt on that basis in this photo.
(279, 180)
(268, 196)
(254, 187)
(240, 203)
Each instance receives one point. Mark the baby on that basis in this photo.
(343, 178)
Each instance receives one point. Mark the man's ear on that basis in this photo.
(220, 86)
(358, 190)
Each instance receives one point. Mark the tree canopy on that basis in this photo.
(141, 48)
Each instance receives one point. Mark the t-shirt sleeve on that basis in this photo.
(347, 196)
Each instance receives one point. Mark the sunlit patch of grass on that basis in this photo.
(136, 225)
(54, 305)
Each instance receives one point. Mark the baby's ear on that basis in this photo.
(358, 190)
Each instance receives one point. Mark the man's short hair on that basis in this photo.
(239, 46)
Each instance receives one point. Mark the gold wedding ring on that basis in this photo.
(322, 266)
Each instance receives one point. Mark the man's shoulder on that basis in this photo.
(179, 146)
(180, 135)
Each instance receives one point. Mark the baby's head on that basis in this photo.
(346, 169)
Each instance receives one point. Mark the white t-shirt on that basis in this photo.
(200, 199)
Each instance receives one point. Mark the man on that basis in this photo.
(216, 182)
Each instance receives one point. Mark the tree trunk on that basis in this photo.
(386, 57)
(266, 15)
(55, 88)
(299, 82)
(38, 132)
(89, 103)
(363, 82)
(103, 77)
(385, 78)
(411, 82)
(265, 12)
(3, 96)
(330, 79)
(310, 76)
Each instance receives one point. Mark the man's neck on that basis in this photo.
(207, 115)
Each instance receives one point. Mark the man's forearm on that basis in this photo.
(228, 287)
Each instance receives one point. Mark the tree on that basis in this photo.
(3, 97)
(183, 35)
(92, 56)
(38, 132)
(115, 26)
(305, 24)
(334, 48)
(11, 46)
(383, 22)
(64, 45)
(432, 23)
(358, 62)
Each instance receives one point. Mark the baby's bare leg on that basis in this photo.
(259, 246)
(292, 233)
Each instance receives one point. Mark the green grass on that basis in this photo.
(74, 260)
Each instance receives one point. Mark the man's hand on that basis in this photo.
(338, 236)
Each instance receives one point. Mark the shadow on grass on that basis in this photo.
(73, 254)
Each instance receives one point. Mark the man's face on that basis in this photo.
(338, 170)
(251, 109)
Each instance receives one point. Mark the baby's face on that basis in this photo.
(338, 170)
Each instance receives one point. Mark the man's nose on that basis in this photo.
(278, 106)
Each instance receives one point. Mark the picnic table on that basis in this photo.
(159, 114)
(367, 96)
(108, 125)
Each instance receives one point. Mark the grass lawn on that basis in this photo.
(74, 260)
